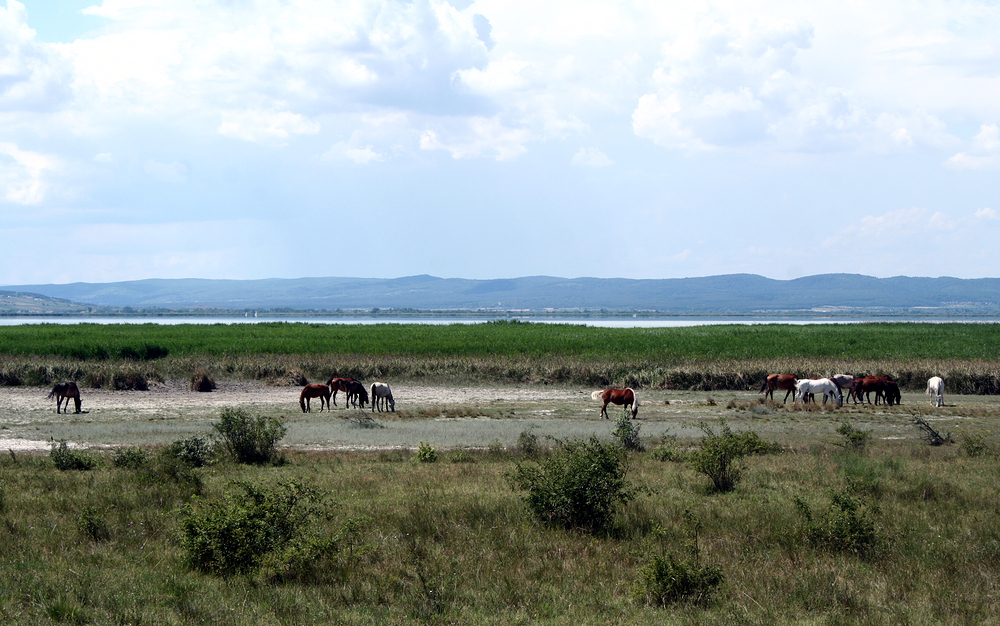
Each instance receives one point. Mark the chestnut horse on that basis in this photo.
(884, 387)
(779, 381)
(623, 397)
(339, 384)
(65, 391)
(314, 391)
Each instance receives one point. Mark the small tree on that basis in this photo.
(582, 485)
(248, 438)
(627, 433)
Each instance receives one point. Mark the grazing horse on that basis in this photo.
(847, 383)
(778, 381)
(356, 393)
(935, 389)
(868, 384)
(892, 395)
(382, 396)
(65, 391)
(623, 397)
(824, 386)
(339, 384)
(314, 391)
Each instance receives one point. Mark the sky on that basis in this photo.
(487, 139)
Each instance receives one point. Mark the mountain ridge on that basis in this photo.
(728, 293)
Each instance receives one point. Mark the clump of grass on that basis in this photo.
(527, 443)
(248, 438)
(974, 444)
(667, 579)
(92, 525)
(668, 449)
(581, 485)
(847, 526)
(129, 458)
(854, 438)
(65, 458)
(202, 381)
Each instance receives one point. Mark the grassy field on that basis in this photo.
(702, 358)
(451, 542)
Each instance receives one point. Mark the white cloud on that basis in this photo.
(591, 157)
(22, 173)
(33, 76)
(983, 153)
(477, 137)
(362, 155)
(265, 126)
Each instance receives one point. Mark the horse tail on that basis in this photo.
(596, 395)
(635, 398)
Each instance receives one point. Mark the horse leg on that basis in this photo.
(604, 411)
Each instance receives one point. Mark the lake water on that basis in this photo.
(614, 322)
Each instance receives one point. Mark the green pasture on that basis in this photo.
(866, 341)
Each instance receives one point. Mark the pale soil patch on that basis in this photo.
(446, 417)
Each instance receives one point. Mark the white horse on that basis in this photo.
(824, 386)
(935, 387)
(382, 396)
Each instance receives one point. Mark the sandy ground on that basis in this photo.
(446, 417)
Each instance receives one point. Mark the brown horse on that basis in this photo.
(623, 397)
(339, 384)
(883, 386)
(65, 391)
(314, 391)
(779, 381)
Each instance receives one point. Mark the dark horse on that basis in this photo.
(778, 381)
(314, 391)
(340, 384)
(356, 393)
(65, 391)
(623, 397)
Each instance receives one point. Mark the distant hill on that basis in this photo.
(727, 294)
(19, 303)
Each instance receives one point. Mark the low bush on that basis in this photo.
(974, 444)
(581, 485)
(426, 453)
(129, 458)
(195, 451)
(666, 580)
(854, 438)
(248, 438)
(201, 381)
(627, 433)
(527, 443)
(848, 525)
(721, 455)
(66, 458)
(237, 534)
(92, 525)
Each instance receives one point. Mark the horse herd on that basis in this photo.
(354, 392)
(379, 395)
(856, 388)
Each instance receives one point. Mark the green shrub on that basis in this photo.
(201, 381)
(527, 443)
(854, 438)
(974, 444)
(92, 525)
(721, 455)
(67, 459)
(236, 535)
(667, 580)
(247, 438)
(669, 450)
(195, 451)
(627, 432)
(426, 453)
(848, 526)
(581, 485)
(129, 458)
